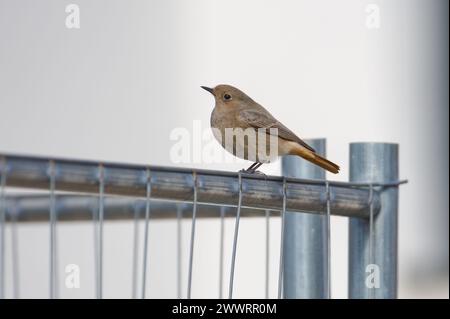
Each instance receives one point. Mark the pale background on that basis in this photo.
(115, 88)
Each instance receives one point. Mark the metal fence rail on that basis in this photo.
(213, 187)
(120, 191)
(35, 208)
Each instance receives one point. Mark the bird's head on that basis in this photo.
(227, 95)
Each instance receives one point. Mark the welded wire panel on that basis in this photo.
(147, 193)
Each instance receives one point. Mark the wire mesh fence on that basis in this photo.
(97, 192)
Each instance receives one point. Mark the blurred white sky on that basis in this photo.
(115, 88)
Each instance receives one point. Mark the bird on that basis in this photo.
(235, 111)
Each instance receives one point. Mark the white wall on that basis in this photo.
(115, 88)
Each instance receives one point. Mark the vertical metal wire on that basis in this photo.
(236, 232)
(179, 250)
(147, 218)
(280, 270)
(53, 270)
(221, 250)
(371, 291)
(191, 250)
(328, 239)
(2, 225)
(96, 255)
(100, 233)
(15, 254)
(135, 256)
(267, 252)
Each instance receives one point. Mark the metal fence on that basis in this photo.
(302, 198)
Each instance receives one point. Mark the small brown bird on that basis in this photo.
(236, 110)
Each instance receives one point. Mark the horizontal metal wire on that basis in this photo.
(177, 184)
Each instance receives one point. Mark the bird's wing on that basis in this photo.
(261, 119)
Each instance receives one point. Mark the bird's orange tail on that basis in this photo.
(316, 159)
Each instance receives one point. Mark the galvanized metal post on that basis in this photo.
(374, 277)
(305, 265)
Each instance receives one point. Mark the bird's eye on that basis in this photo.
(227, 97)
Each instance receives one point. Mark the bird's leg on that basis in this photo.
(258, 172)
(250, 169)
(256, 167)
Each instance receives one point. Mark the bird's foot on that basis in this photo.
(259, 173)
(252, 172)
(246, 171)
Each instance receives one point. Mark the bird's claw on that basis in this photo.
(252, 172)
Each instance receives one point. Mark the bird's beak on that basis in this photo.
(208, 89)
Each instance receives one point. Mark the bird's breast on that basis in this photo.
(222, 119)
(238, 141)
